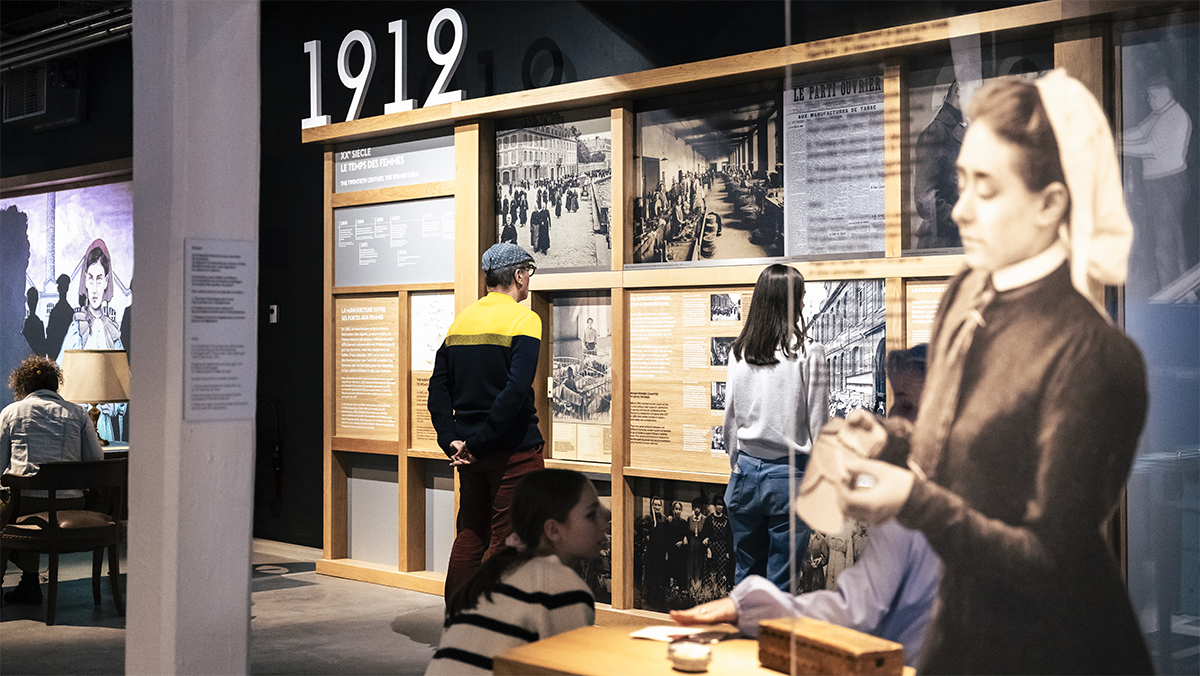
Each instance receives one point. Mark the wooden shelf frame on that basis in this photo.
(1077, 28)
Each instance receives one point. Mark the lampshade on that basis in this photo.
(95, 376)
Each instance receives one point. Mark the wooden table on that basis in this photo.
(608, 651)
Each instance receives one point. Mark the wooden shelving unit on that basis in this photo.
(1077, 29)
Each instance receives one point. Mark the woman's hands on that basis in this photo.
(875, 491)
(713, 612)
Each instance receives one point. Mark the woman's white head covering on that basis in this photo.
(1100, 233)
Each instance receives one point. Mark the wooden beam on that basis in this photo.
(624, 188)
(677, 475)
(622, 495)
(67, 179)
(895, 158)
(337, 513)
(755, 66)
(424, 581)
(390, 288)
(474, 204)
(540, 304)
(370, 446)
(412, 514)
(567, 281)
(334, 535)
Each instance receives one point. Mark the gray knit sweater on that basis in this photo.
(773, 410)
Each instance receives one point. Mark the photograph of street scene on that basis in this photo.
(554, 192)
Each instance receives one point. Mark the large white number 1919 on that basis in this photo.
(359, 82)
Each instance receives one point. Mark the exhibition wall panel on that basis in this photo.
(810, 155)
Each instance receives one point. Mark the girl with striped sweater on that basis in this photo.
(528, 591)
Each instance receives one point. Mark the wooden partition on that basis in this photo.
(1078, 31)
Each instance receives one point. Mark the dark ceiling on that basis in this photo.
(22, 17)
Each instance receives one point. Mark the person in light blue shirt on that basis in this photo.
(888, 593)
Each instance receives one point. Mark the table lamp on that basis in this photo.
(95, 377)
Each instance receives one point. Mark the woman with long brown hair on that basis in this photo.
(776, 400)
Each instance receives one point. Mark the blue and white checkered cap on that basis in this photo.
(504, 254)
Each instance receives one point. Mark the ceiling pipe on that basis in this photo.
(68, 25)
(115, 34)
(10, 52)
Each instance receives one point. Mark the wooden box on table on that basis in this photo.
(823, 648)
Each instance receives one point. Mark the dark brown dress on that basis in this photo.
(1052, 400)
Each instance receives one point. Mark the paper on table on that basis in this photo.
(671, 632)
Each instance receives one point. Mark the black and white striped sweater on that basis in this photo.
(539, 599)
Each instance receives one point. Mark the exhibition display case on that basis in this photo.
(815, 155)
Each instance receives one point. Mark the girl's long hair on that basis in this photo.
(774, 321)
(540, 496)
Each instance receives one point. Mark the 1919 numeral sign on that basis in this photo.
(359, 82)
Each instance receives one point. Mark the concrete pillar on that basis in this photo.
(196, 160)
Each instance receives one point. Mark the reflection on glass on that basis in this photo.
(1160, 105)
(939, 89)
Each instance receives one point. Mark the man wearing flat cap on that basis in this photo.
(482, 405)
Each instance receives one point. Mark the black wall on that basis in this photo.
(106, 132)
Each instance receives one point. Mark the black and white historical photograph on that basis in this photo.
(847, 319)
(828, 555)
(718, 396)
(718, 439)
(554, 190)
(939, 89)
(725, 307)
(1160, 102)
(582, 350)
(682, 544)
(710, 181)
(721, 346)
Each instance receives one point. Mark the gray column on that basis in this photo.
(196, 159)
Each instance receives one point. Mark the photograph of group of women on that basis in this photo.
(554, 191)
(67, 260)
(682, 545)
(710, 181)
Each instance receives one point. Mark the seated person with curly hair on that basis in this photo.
(39, 427)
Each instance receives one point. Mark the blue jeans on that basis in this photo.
(760, 515)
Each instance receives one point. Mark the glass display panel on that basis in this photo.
(833, 167)
(939, 89)
(554, 189)
(1160, 144)
(766, 170)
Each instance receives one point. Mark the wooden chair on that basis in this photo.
(56, 531)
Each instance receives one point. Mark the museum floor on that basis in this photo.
(301, 623)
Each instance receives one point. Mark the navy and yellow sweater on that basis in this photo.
(481, 390)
